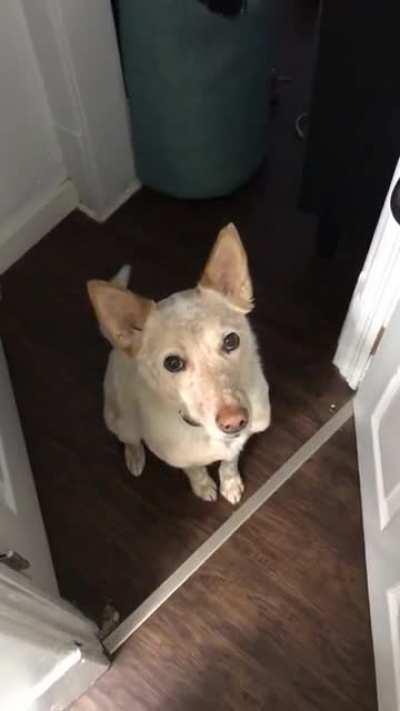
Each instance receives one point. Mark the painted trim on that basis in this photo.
(28, 613)
(119, 201)
(73, 684)
(388, 506)
(224, 532)
(54, 677)
(374, 299)
(393, 603)
(76, 47)
(19, 234)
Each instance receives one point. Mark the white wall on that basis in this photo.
(31, 163)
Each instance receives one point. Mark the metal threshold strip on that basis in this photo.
(157, 598)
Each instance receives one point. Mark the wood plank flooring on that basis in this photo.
(114, 537)
(276, 620)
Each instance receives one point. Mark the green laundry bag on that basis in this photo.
(197, 86)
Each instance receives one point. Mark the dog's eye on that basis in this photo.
(174, 363)
(231, 342)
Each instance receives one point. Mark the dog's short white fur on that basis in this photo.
(184, 376)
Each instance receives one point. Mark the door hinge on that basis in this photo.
(15, 561)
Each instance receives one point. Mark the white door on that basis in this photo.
(377, 415)
(376, 294)
(49, 652)
(22, 532)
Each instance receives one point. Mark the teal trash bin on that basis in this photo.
(197, 86)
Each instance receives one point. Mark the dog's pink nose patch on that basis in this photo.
(232, 419)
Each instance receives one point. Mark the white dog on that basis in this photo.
(184, 376)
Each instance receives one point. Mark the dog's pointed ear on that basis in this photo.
(122, 315)
(227, 270)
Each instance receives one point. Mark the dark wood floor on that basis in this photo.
(276, 620)
(114, 537)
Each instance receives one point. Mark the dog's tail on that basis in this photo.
(122, 277)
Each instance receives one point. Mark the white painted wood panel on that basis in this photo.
(377, 415)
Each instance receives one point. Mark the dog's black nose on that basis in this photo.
(232, 419)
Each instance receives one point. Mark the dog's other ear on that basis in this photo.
(121, 314)
(227, 270)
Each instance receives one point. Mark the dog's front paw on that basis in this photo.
(135, 458)
(202, 485)
(232, 489)
(206, 490)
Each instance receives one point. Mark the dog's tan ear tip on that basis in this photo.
(230, 234)
(94, 287)
(91, 287)
(231, 229)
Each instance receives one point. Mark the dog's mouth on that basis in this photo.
(189, 420)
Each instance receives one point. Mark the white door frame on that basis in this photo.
(72, 50)
(76, 48)
(375, 297)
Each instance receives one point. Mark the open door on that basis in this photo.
(50, 653)
(377, 416)
(23, 542)
(376, 294)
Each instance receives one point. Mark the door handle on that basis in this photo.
(395, 202)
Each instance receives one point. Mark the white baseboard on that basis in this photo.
(19, 234)
(105, 214)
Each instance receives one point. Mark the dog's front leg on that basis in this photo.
(202, 485)
(121, 418)
(125, 428)
(232, 486)
(261, 407)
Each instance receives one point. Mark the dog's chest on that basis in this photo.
(181, 445)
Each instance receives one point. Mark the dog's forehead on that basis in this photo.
(193, 306)
(187, 319)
